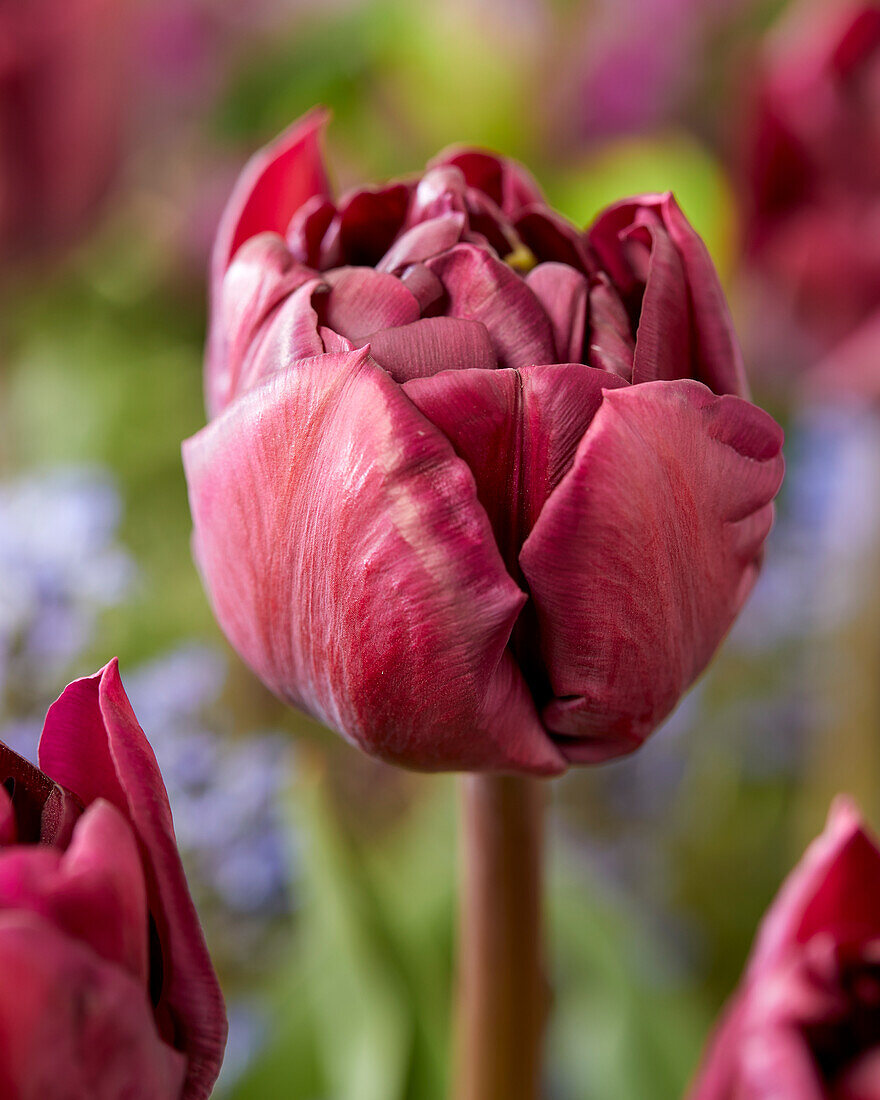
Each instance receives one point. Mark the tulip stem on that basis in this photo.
(502, 992)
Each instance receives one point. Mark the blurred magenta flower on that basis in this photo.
(108, 990)
(805, 1022)
(811, 158)
(62, 97)
(482, 491)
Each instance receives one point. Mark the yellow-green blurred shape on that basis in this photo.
(670, 162)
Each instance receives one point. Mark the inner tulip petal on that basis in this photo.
(562, 292)
(331, 463)
(482, 288)
(362, 301)
(643, 555)
(430, 345)
(663, 348)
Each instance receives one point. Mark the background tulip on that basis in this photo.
(811, 145)
(62, 99)
(108, 990)
(481, 491)
(806, 1020)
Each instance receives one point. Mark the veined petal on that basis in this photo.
(481, 288)
(262, 274)
(350, 564)
(93, 745)
(430, 345)
(291, 332)
(644, 554)
(362, 300)
(562, 292)
(74, 1025)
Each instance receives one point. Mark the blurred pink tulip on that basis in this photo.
(481, 491)
(805, 1023)
(812, 165)
(107, 990)
(62, 96)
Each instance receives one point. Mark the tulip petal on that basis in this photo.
(832, 890)
(612, 347)
(517, 431)
(423, 241)
(397, 639)
(430, 345)
(663, 339)
(74, 1025)
(307, 227)
(562, 292)
(291, 332)
(274, 183)
(362, 301)
(481, 288)
(262, 274)
(551, 238)
(94, 891)
(92, 744)
(43, 812)
(644, 554)
(508, 184)
(369, 220)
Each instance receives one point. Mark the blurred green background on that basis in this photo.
(327, 884)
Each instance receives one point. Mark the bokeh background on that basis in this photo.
(326, 882)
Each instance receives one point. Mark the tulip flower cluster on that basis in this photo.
(481, 491)
(107, 990)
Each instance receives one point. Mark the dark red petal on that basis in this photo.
(430, 345)
(362, 301)
(92, 744)
(422, 242)
(481, 288)
(663, 338)
(611, 343)
(562, 292)
(369, 220)
(508, 184)
(644, 554)
(551, 238)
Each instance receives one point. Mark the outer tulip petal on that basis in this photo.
(562, 292)
(431, 345)
(93, 744)
(834, 889)
(304, 495)
(517, 431)
(261, 276)
(643, 555)
(73, 1025)
(482, 288)
(274, 183)
(94, 891)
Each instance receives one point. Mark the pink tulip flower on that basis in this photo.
(805, 1023)
(107, 989)
(481, 491)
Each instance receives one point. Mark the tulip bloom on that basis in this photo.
(481, 491)
(62, 85)
(107, 990)
(811, 165)
(805, 1023)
